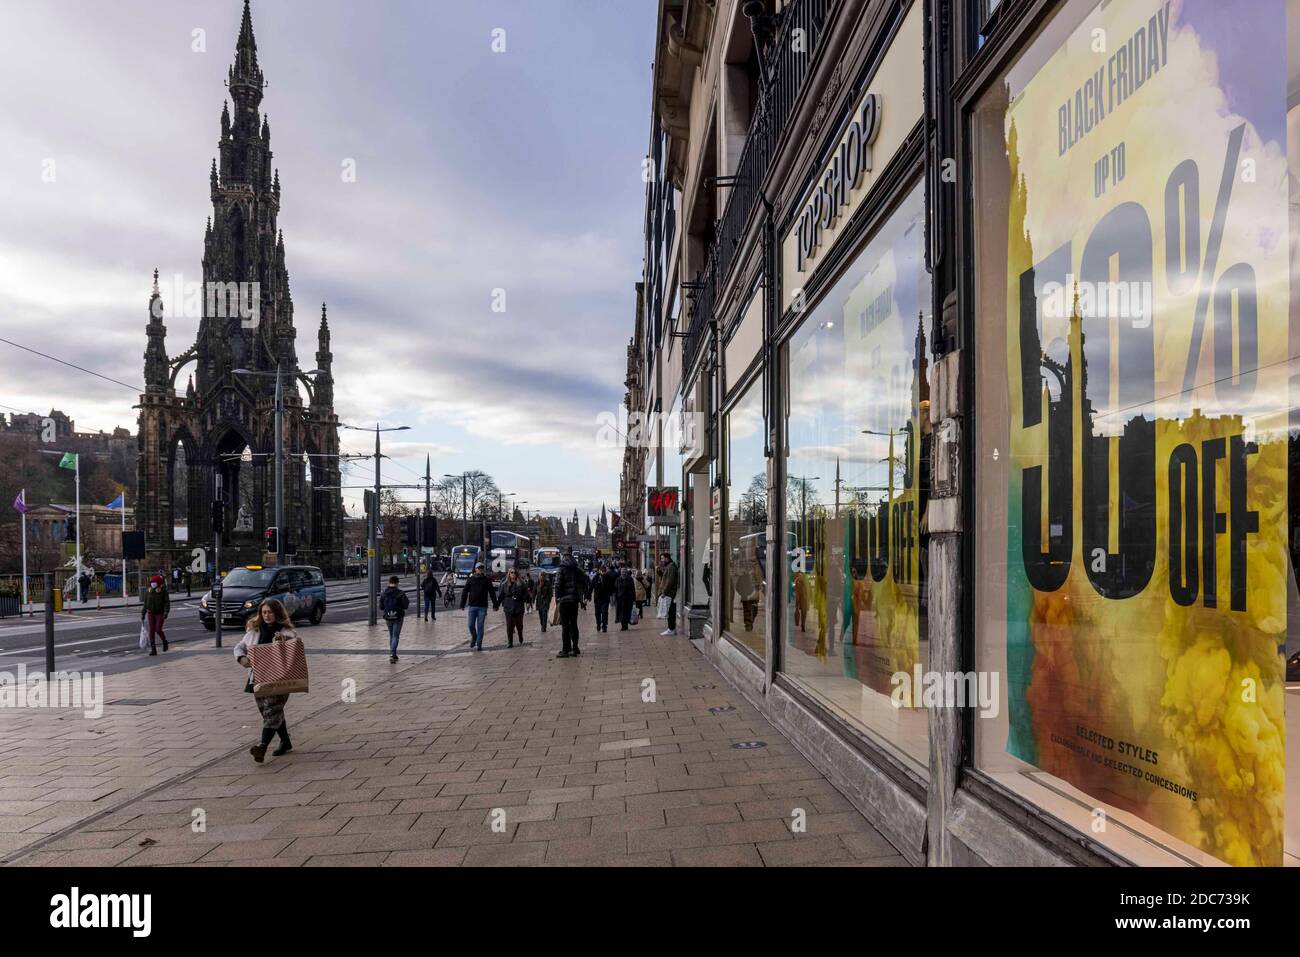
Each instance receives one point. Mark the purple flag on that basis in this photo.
(20, 503)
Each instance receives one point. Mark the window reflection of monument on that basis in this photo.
(859, 561)
(1117, 476)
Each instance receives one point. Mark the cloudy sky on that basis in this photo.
(475, 171)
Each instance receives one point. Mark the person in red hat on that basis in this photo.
(157, 605)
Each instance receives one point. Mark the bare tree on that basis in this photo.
(483, 495)
(801, 497)
(474, 496)
(751, 507)
(391, 513)
(447, 498)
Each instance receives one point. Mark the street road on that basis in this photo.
(114, 633)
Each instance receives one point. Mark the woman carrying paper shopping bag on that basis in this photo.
(271, 623)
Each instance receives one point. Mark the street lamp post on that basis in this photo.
(372, 561)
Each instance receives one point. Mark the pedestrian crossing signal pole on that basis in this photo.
(372, 565)
(218, 526)
(374, 540)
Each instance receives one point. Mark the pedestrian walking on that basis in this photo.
(515, 592)
(155, 608)
(624, 598)
(476, 594)
(432, 592)
(602, 586)
(542, 598)
(668, 589)
(448, 589)
(571, 589)
(270, 623)
(642, 591)
(393, 603)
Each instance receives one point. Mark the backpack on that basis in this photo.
(393, 603)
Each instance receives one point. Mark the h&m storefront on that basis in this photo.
(1080, 513)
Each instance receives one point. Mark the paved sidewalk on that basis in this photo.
(508, 756)
(166, 716)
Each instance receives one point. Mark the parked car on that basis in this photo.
(301, 588)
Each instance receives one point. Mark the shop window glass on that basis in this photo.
(1138, 507)
(857, 467)
(745, 533)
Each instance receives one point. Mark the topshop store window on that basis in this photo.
(1137, 459)
(745, 532)
(857, 461)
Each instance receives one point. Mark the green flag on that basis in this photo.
(69, 460)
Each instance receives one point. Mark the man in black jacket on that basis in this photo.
(571, 590)
(602, 591)
(432, 592)
(476, 594)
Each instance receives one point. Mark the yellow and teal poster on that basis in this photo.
(1148, 346)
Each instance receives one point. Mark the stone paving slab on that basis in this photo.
(505, 757)
(59, 767)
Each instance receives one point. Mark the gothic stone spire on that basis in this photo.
(156, 373)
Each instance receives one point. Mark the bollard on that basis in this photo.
(49, 625)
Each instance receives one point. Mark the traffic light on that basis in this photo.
(218, 517)
(356, 551)
(290, 542)
(410, 530)
(429, 531)
(273, 540)
(370, 502)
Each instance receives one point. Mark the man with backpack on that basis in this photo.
(393, 603)
(571, 590)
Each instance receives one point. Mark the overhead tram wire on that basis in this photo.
(19, 411)
(72, 365)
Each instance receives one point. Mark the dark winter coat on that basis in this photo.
(625, 590)
(570, 583)
(158, 601)
(603, 585)
(515, 596)
(669, 586)
(394, 599)
(478, 592)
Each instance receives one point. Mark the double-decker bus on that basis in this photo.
(507, 550)
(463, 560)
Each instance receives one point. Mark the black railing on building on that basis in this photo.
(797, 42)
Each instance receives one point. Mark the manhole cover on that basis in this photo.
(137, 702)
(722, 709)
(748, 745)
